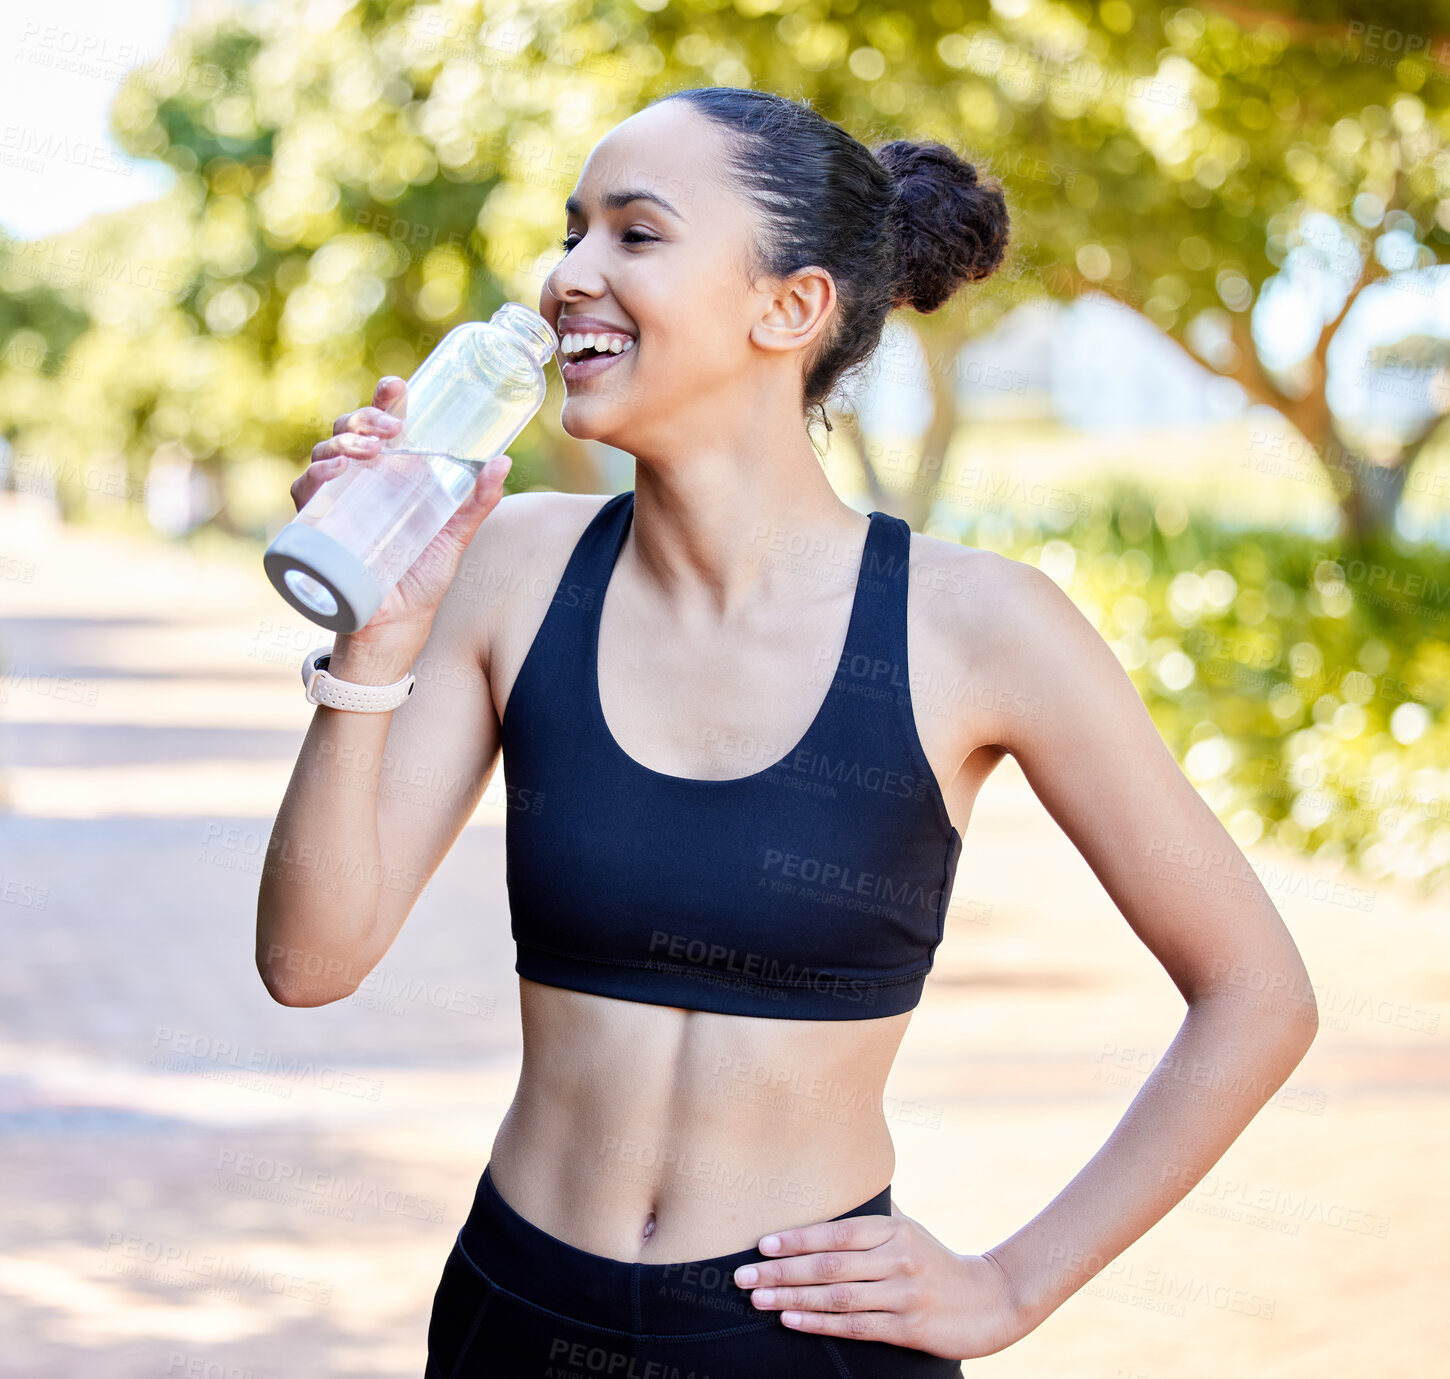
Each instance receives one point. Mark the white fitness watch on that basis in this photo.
(325, 689)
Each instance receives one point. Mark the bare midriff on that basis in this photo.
(656, 1134)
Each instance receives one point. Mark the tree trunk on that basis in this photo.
(1367, 510)
(942, 374)
(1372, 498)
(848, 424)
(922, 472)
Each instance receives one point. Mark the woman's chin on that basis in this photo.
(578, 424)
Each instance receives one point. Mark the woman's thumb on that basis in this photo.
(487, 491)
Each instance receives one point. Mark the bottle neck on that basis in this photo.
(529, 329)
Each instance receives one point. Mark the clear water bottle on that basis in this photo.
(359, 533)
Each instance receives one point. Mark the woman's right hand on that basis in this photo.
(398, 630)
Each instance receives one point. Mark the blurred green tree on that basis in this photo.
(355, 178)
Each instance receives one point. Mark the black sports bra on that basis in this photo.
(815, 889)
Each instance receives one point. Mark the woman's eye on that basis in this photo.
(629, 237)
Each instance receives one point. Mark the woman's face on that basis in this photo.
(671, 274)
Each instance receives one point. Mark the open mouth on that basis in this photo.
(590, 360)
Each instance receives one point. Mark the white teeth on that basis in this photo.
(575, 343)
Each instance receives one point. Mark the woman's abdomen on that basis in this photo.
(653, 1133)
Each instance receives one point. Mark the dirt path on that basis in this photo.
(199, 1181)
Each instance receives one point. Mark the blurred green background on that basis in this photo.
(1260, 191)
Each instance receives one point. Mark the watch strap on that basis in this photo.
(326, 689)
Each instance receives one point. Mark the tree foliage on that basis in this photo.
(355, 178)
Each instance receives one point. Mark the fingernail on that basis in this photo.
(769, 1242)
(746, 1275)
(499, 468)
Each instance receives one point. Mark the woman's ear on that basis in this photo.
(797, 312)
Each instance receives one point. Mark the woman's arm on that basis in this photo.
(376, 799)
(1095, 760)
(374, 803)
(1044, 686)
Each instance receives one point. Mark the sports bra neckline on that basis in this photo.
(591, 661)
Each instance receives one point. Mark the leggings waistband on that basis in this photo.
(691, 1296)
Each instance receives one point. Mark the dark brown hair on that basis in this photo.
(903, 225)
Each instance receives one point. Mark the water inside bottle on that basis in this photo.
(387, 509)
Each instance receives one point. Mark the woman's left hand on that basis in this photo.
(885, 1278)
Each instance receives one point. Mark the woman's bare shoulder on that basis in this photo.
(520, 549)
(972, 614)
(537, 514)
(965, 590)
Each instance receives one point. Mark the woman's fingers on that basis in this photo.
(487, 490)
(359, 435)
(391, 395)
(348, 443)
(885, 1295)
(313, 477)
(368, 421)
(329, 459)
(459, 529)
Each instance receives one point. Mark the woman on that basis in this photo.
(731, 791)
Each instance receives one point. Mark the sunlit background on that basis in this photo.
(1206, 394)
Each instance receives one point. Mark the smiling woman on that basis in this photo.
(729, 256)
(743, 727)
(779, 191)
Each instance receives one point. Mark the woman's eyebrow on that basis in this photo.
(618, 200)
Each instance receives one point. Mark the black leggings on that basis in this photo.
(515, 1302)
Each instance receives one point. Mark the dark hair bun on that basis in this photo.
(951, 228)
